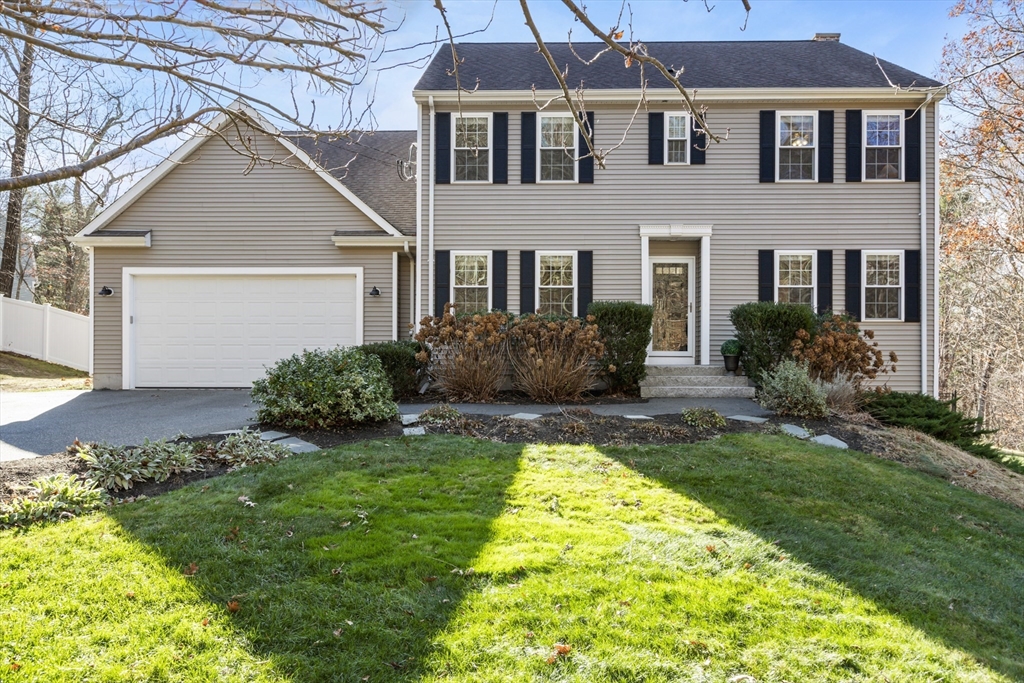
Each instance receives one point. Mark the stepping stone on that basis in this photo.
(228, 432)
(798, 432)
(638, 417)
(748, 418)
(272, 436)
(415, 431)
(296, 445)
(410, 419)
(826, 440)
(525, 416)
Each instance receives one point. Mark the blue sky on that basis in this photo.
(910, 33)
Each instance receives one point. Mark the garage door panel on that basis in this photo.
(222, 330)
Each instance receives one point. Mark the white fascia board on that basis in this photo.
(671, 95)
(100, 240)
(675, 230)
(399, 242)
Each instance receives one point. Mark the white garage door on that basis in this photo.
(221, 330)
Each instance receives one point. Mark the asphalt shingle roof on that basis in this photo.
(367, 164)
(742, 64)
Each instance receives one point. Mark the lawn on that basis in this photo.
(452, 559)
(21, 373)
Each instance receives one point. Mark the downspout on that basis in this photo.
(430, 211)
(924, 244)
(935, 269)
(418, 288)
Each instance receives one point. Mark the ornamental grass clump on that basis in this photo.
(467, 355)
(553, 359)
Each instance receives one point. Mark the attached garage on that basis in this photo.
(220, 327)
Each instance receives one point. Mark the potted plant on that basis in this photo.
(731, 354)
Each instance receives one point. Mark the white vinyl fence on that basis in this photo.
(45, 333)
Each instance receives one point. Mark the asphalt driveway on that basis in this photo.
(45, 422)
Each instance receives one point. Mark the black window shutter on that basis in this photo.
(655, 138)
(528, 148)
(586, 174)
(585, 289)
(527, 267)
(853, 283)
(912, 164)
(826, 145)
(912, 282)
(854, 121)
(500, 155)
(765, 275)
(443, 153)
(824, 280)
(698, 143)
(499, 290)
(768, 146)
(442, 280)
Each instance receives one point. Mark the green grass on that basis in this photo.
(745, 555)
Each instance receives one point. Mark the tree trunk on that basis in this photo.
(12, 231)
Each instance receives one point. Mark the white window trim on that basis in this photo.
(864, 283)
(689, 132)
(574, 148)
(778, 145)
(814, 272)
(864, 145)
(575, 277)
(490, 276)
(490, 147)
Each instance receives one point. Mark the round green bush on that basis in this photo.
(731, 347)
(766, 330)
(324, 389)
(399, 361)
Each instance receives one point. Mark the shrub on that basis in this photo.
(731, 347)
(553, 359)
(766, 330)
(440, 414)
(789, 390)
(52, 499)
(841, 350)
(324, 389)
(247, 447)
(625, 329)
(398, 358)
(468, 355)
(933, 417)
(703, 419)
(121, 467)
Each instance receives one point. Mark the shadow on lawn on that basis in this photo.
(350, 562)
(943, 560)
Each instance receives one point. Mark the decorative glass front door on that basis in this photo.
(672, 298)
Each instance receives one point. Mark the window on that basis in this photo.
(677, 141)
(795, 277)
(556, 283)
(883, 285)
(471, 281)
(796, 145)
(557, 149)
(883, 145)
(472, 149)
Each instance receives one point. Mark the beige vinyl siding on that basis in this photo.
(746, 215)
(209, 213)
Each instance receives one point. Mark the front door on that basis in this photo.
(672, 299)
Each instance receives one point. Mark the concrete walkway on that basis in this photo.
(655, 406)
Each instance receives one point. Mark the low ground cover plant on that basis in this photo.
(245, 448)
(703, 419)
(789, 390)
(398, 358)
(324, 389)
(122, 467)
(467, 355)
(553, 359)
(625, 329)
(931, 416)
(766, 331)
(55, 498)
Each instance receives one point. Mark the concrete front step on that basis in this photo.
(686, 370)
(696, 392)
(694, 381)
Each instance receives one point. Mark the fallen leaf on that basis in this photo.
(206, 622)
(15, 666)
(130, 595)
(562, 649)
(337, 633)
(191, 569)
(233, 606)
(429, 579)
(335, 571)
(747, 565)
(711, 549)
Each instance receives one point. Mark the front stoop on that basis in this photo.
(693, 381)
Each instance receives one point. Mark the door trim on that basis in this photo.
(128, 276)
(673, 357)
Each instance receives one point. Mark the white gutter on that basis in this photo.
(924, 244)
(418, 287)
(935, 268)
(430, 211)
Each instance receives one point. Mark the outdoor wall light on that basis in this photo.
(374, 291)
(105, 291)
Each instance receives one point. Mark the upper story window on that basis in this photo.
(883, 285)
(472, 149)
(883, 145)
(677, 139)
(795, 277)
(557, 149)
(471, 281)
(556, 284)
(797, 145)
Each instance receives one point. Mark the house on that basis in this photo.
(824, 193)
